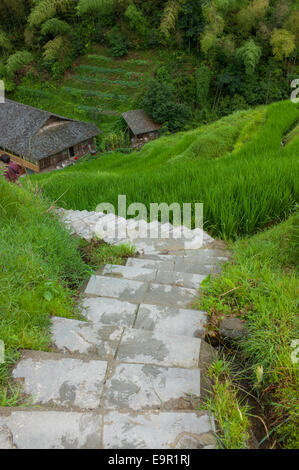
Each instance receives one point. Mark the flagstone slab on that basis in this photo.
(164, 430)
(189, 265)
(139, 386)
(52, 430)
(122, 289)
(158, 348)
(172, 296)
(161, 265)
(180, 279)
(181, 322)
(135, 274)
(108, 311)
(54, 379)
(72, 336)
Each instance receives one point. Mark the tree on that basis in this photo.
(169, 17)
(203, 81)
(250, 55)
(283, 43)
(17, 61)
(90, 6)
(160, 102)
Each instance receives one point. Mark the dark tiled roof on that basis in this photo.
(140, 122)
(20, 131)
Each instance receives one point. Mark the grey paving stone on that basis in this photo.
(152, 246)
(173, 296)
(181, 322)
(135, 274)
(156, 430)
(158, 348)
(53, 429)
(80, 337)
(189, 265)
(189, 280)
(67, 382)
(5, 437)
(139, 386)
(122, 289)
(109, 311)
(167, 265)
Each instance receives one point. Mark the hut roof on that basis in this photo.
(140, 122)
(35, 134)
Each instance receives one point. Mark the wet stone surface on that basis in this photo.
(131, 375)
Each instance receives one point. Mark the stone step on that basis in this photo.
(180, 322)
(159, 265)
(77, 337)
(140, 292)
(106, 311)
(164, 430)
(159, 348)
(173, 321)
(142, 386)
(189, 280)
(51, 378)
(36, 429)
(128, 344)
(202, 265)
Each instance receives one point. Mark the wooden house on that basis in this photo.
(39, 140)
(141, 126)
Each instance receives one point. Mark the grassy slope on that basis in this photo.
(42, 267)
(262, 287)
(98, 89)
(235, 166)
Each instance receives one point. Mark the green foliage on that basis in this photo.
(92, 6)
(54, 48)
(283, 43)
(161, 104)
(229, 411)
(243, 190)
(136, 20)
(261, 286)
(55, 26)
(118, 43)
(44, 10)
(5, 42)
(170, 16)
(114, 141)
(250, 55)
(18, 60)
(203, 81)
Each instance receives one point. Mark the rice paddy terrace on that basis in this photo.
(98, 89)
(236, 167)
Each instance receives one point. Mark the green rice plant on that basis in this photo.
(94, 69)
(242, 191)
(78, 91)
(86, 79)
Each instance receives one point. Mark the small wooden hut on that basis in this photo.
(38, 140)
(141, 126)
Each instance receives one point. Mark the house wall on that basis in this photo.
(139, 140)
(81, 149)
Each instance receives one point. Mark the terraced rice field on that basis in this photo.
(98, 89)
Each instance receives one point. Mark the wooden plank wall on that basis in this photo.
(21, 162)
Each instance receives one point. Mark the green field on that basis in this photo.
(236, 166)
(99, 88)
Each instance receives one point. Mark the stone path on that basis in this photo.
(130, 375)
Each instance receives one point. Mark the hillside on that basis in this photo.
(235, 166)
(98, 88)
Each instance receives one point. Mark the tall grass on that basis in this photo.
(41, 270)
(245, 181)
(262, 287)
